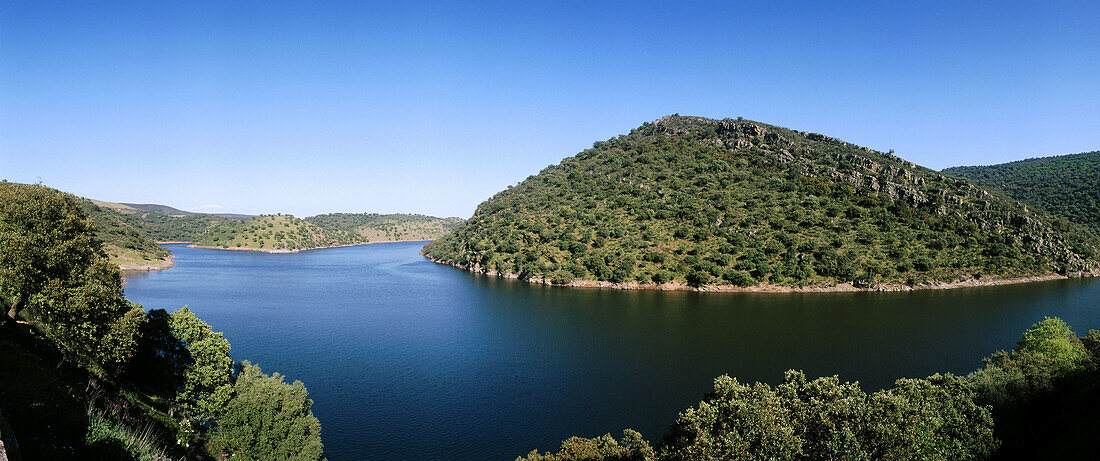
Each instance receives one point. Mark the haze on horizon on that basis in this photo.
(433, 107)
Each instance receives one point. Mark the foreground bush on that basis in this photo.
(268, 419)
(1036, 401)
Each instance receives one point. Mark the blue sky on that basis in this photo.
(263, 107)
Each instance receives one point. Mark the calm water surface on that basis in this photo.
(407, 359)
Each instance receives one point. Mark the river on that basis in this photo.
(408, 359)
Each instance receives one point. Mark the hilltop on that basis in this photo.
(376, 227)
(1068, 186)
(734, 204)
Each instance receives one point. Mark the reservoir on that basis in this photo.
(408, 359)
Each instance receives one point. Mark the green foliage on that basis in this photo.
(207, 380)
(1054, 339)
(275, 232)
(1048, 351)
(163, 227)
(122, 242)
(55, 274)
(110, 439)
(1068, 186)
(51, 262)
(268, 419)
(632, 447)
(1044, 393)
(387, 227)
(697, 201)
(933, 418)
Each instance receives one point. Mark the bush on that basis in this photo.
(268, 419)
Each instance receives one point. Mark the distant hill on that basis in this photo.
(387, 227)
(165, 209)
(163, 223)
(180, 228)
(1068, 186)
(275, 233)
(690, 201)
(125, 245)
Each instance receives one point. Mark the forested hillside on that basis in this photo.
(689, 200)
(1068, 186)
(387, 227)
(275, 233)
(279, 232)
(124, 244)
(89, 375)
(167, 227)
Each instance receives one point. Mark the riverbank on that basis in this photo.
(145, 266)
(765, 288)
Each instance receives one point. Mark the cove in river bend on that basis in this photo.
(407, 359)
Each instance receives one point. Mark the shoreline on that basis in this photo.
(166, 263)
(297, 250)
(840, 288)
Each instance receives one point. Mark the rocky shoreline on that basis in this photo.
(841, 288)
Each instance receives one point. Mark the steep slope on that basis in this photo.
(376, 227)
(699, 202)
(275, 233)
(1068, 186)
(125, 245)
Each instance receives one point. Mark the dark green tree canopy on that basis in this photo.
(1068, 186)
(268, 419)
(52, 264)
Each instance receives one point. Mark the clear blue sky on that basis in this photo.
(262, 107)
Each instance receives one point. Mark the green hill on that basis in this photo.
(89, 375)
(699, 202)
(163, 223)
(387, 227)
(1068, 186)
(125, 245)
(165, 209)
(275, 233)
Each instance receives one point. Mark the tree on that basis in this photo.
(268, 419)
(933, 419)
(1053, 338)
(44, 236)
(207, 381)
(632, 447)
(52, 265)
(735, 422)
(162, 359)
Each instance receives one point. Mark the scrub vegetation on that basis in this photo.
(275, 233)
(123, 243)
(90, 375)
(700, 202)
(1068, 186)
(387, 227)
(130, 230)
